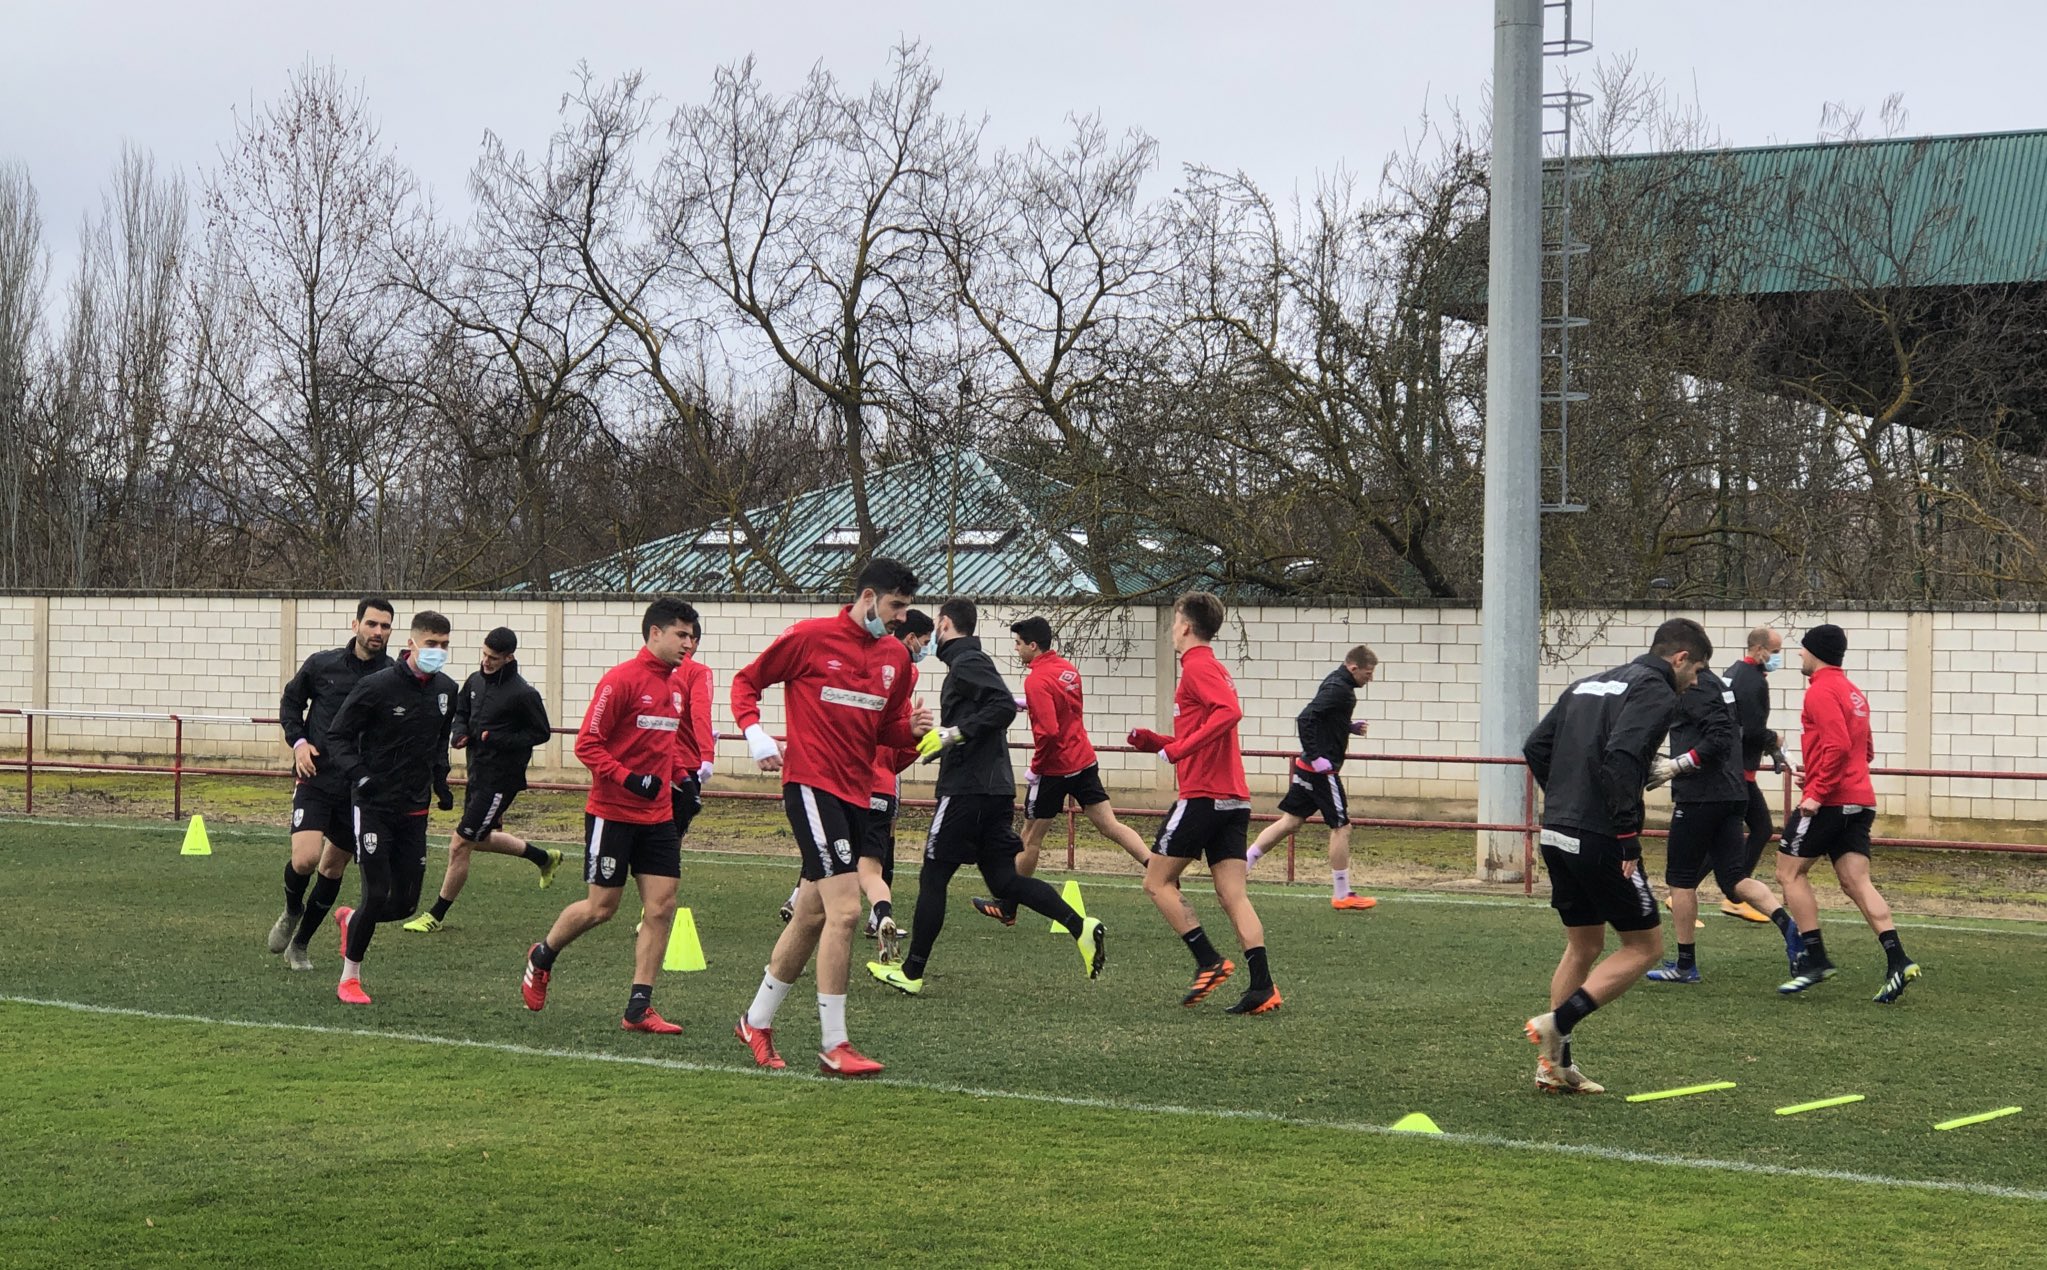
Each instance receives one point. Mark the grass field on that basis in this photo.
(177, 1096)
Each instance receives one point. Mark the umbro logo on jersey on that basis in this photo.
(397, 712)
(833, 663)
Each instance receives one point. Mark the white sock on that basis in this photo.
(794, 891)
(831, 1018)
(761, 1013)
(350, 970)
(1251, 856)
(1339, 882)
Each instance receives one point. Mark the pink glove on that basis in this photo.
(1323, 766)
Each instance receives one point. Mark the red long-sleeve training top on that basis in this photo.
(891, 761)
(1052, 697)
(847, 695)
(1203, 748)
(1834, 741)
(629, 730)
(694, 740)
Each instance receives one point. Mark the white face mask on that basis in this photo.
(429, 660)
(1775, 661)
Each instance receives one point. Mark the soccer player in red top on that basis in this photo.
(1062, 759)
(846, 690)
(695, 744)
(628, 742)
(1214, 810)
(1833, 819)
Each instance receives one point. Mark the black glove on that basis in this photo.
(647, 787)
(1631, 846)
(444, 795)
(1771, 741)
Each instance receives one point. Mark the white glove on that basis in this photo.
(1021, 704)
(1660, 771)
(1031, 778)
(760, 744)
(704, 770)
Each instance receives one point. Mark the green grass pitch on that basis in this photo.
(174, 1095)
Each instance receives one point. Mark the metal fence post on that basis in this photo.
(28, 771)
(177, 768)
(1528, 832)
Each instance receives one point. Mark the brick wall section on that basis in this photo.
(220, 655)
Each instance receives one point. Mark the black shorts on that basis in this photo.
(332, 814)
(1205, 828)
(967, 829)
(1586, 885)
(686, 797)
(1047, 798)
(827, 828)
(483, 811)
(879, 842)
(391, 858)
(1707, 836)
(1311, 794)
(1831, 832)
(613, 848)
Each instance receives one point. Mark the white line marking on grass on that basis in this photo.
(1616, 1154)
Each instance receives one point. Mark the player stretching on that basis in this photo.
(1062, 763)
(1592, 755)
(628, 742)
(976, 800)
(1834, 817)
(499, 718)
(1325, 727)
(1213, 811)
(390, 741)
(322, 821)
(1749, 680)
(846, 688)
(1706, 779)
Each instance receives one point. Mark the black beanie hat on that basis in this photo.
(1827, 642)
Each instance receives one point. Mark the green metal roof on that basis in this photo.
(968, 523)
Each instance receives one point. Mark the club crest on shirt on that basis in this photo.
(888, 678)
(675, 698)
(369, 844)
(444, 703)
(298, 816)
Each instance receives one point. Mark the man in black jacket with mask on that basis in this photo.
(390, 740)
(1711, 793)
(976, 805)
(499, 718)
(1592, 754)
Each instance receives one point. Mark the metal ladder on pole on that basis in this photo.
(1560, 249)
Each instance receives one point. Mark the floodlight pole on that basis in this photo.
(1510, 630)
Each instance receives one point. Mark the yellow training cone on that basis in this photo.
(195, 838)
(685, 952)
(1072, 896)
(1416, 1122)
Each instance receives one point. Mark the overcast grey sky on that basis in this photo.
(1282, 89)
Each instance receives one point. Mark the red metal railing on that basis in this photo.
(1528, 827)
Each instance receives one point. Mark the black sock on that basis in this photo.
(543, 956)
(913, 966)
(883, 908)
(1815, 948)
(319, 901)
(535, 856)
(1782, 916)
(1573, 1010)
(1204, 952)
(1687, 956)
(295, 884)
(1894, 950)
(1260, 976)
(1567, 1049)
(441, 906)
(1009, 910)
(641, 1001)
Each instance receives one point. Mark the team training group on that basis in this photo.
(370, 736)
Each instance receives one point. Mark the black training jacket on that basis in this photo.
(1324, 723)
(1591, 751)
(1706, 727)
(511, 711)
(313, 697)
(978, 702)
(1751, 686)
(390, 739)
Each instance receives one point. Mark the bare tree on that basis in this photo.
(23, 267)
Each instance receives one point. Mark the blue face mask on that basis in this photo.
(919, 654)
(875, 626)
(1775, 661)
(429, 660)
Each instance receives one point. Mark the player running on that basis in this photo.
(628, 742)
(1316, 788)
(1749, 680)
(1213, 812)
(499, 718)
(1063, 763)
(877, 850)
(1592, 755)
(1835, 815)
(696, 746)
(976, 801)
(389, 741)
(1711, 792)
(846, 688)
(322, 819)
